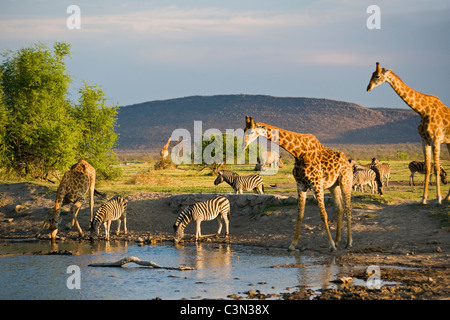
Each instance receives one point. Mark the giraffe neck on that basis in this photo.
(296, 144)
(411, 97)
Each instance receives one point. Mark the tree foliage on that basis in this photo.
(41, 130)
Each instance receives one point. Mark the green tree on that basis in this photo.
(96, 122)
(40, 135)
(41, 130)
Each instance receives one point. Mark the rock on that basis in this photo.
(343, 280)
(139, 240)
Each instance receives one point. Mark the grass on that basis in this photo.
(140, 176)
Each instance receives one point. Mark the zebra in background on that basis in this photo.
(240, 183)
(416, 166)
(383, 168)
(364, 177)
(203, 211)
(378, 184)
(112, 210)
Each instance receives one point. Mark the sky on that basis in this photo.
(140, 51)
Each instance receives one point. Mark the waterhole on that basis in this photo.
(221, 270)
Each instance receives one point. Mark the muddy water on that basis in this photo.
(220, 270)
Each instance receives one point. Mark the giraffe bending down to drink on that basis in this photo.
(316, 168)
(434, 127)
(76, 182)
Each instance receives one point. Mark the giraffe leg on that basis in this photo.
(347, 197)
(437, 167)
(427, 152)
(324, 217)
(45, 222)
(300, 214)
(448, 194)
(337, 198)
(75, 209)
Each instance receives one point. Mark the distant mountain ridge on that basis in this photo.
(148, 125)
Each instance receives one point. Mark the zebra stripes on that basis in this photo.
(112, 210)
(363, 177)
(383, 168)
(203, 211)
(240, 183)
(416, 166)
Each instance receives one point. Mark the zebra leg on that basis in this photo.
(109, 229)
(105, 224)
(124, 217)
(118, 226)
(227, 222)
(411, 179)
(198, 233)
(219, 220)
(300, 214)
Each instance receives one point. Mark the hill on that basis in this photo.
(148, 125)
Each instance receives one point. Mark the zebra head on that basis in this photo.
(219, 178)
(379, 76)
(178, 232)
(55, 219)
(95, 228)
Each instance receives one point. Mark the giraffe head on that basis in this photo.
(54, 221)
(378, 77)
(252, 131)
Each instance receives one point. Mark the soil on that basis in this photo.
(403, 239)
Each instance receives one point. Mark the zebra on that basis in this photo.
(203, 211)
(378, 182)
(362, 177)
(240, 183)
(114, 209)
(384, 168)
(416, 166)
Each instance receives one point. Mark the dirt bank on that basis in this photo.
(402, 234)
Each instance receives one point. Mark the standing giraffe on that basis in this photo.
(434, 127)
(317, 168)
(76, 182)
(165, 150)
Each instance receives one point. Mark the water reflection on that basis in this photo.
(221, 270)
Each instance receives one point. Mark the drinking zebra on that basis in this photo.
(203, 211)
(114, 209)
(362, 177)
(241, 183)
(416, 166)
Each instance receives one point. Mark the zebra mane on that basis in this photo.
(184, 217)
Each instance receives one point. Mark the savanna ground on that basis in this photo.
(409, 242)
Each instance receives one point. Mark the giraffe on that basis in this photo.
(316, 168)
(165, 150)
(76, 182)
(434, 127)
